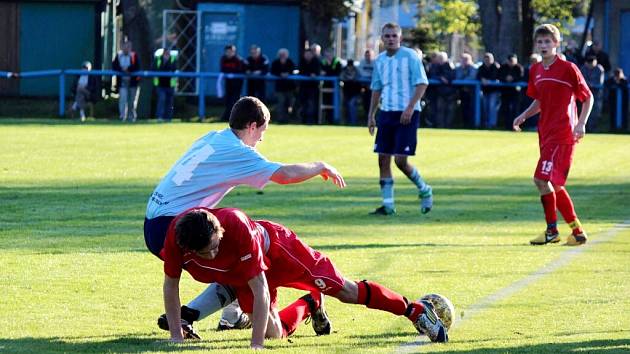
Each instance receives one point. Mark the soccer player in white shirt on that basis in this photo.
(214, 165)
(398, 84)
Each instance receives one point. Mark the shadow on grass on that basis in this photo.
(109, 216)
(587, 346)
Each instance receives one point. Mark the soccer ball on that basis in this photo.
(443, 307)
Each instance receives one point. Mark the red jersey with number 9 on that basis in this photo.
(557, 87)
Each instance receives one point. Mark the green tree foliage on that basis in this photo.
(440, 19)
(558, 12)
(454, 17)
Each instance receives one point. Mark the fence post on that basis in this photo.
(477, 105)
(202, 97)
(62, 94)
(337, 111)
(618, 113)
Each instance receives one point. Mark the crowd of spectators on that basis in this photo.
(447, 103)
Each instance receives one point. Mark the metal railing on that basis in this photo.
(204, 76)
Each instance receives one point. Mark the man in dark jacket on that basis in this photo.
(489, 73)
(165, 85)
(309, 90)
(256, 64)
(283, 66)
(231, 63)
(509, 73)
(127, 61)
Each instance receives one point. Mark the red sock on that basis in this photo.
(292, 315)
(565, 206)
(549, 205)
(376, 296)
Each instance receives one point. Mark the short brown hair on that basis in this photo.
(194, 230)
(547, 29)
(391, 25)
(247, 110)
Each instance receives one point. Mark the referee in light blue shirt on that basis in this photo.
(398, 84)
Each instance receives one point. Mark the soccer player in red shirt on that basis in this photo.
(555, 84)
(257, 257)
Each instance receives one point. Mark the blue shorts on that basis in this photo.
(155, 233)
(393, 138)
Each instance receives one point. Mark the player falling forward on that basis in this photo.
(555, 84)
(212, 167)
(256, 258)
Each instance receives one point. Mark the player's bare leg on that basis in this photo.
(565, 206)
(548, 200)
(387, 186)
(425, 192)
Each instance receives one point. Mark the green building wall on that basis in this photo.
(54, 36)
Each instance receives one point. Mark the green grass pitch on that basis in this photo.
(75, 275)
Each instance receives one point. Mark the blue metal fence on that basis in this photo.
(202, 76)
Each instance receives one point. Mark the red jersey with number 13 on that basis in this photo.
(556, 88)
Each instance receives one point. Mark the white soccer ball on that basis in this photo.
(443, 308)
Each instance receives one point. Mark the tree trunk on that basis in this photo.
(509, 30)
(316, 30)
(527, 45)
(490, 19)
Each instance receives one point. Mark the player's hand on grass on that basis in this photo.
(405, 117)
(329, 172)
(516, 125)
(371, 123)
(257, 347)
(578, 132)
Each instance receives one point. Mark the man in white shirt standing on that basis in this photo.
(398, 84)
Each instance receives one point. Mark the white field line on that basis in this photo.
(488, 301)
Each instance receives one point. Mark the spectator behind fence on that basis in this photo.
(366, 67)
(466, 71)
(231, 63)
(331, 66)
(572, 53)
(256, 64)
(444, 73)
(165, 85)
(316, 49)
(309, 90)
(283, 66)
(489, 73)
(127, 61)
(618, 81)
(351, 91)
(600, 55)
(594, 75)
(510, 72)
(85, 91)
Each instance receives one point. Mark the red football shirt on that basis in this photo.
(556, 88)
(240, 256)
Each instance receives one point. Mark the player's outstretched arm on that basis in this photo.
(260, 314)
(172, 306)
(299, 172)
(530, 111)
(580, 128)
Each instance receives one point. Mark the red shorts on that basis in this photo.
(293, 264)
(554, 163)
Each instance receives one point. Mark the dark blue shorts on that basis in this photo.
(155, 233)
(393, 138)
